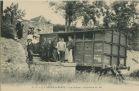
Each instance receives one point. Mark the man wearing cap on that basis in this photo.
(30, 51)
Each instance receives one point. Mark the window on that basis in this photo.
(79, 36)
(88, 36)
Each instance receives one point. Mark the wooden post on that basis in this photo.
(1, 14)
(111, 47)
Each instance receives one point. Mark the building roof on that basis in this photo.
(40, 19)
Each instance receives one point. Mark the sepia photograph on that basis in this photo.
(63, 45)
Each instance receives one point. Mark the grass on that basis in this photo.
(15, 76)
(135, 74)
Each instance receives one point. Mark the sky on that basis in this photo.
(34, 8)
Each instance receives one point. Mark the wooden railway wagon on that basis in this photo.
(95, 48)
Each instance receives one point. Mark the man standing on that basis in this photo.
(30, 52)
(19, 29)
(61, 47)
(69, 50)
(49, 50)
(43, 49)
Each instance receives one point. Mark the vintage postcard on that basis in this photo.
(68, 45)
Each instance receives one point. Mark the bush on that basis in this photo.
(8, 31)
(135, 74)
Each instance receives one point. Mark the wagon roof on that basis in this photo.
(81, 30)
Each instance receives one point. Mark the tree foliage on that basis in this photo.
(125, 13)
(75, 9)
(120, 14)
(10, 17)
(14, 12)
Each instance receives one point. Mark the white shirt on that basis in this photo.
(61, 46)
(30, 36)
(35, 41)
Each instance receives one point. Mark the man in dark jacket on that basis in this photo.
(49, 50)
(19, 29)
(30, 51)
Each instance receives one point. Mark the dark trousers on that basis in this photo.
(55, 54)
(30, 58)
(61, 56)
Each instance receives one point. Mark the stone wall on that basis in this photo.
(55, 69)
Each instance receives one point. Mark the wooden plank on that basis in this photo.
(93, 38)
(126, 50)
(88, 59)
(107, 49)
(98, 47)
(115, 50)
(114, 61)
(97, 59)
(111, 49)
(1, 14)
(108, 37)
(99, 36)
(83, 47)
(107, 60)
(122, 51)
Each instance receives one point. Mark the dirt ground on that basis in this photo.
(127, 86)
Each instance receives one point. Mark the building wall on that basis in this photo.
(136, 43)
(44, 27)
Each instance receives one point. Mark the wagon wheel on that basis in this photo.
(118, 74)
(103, 72)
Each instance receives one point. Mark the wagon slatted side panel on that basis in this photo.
(107, 47)
(88, 48)
(79, 53)
(114, 48)
(98, 49)
(79, 49)
(123, 49)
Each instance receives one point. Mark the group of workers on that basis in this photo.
(57, 51)
(49, 49)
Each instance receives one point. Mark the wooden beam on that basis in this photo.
(1, 15)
